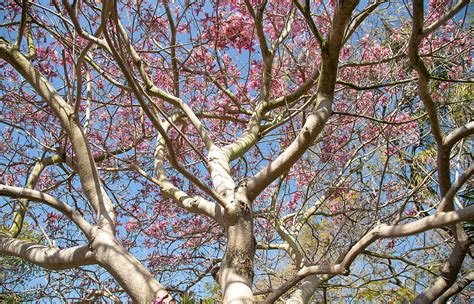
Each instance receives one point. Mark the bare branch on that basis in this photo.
(155, 91)
(31, 181)
(320, 115)
(438, 220)
(376, 85)
(458, 134)
(444, 18)
(86, 167)
(309, 20)
(311, 129)
(47, 199)
(457, 287)
(360, 18)
(157, 123)
(448, 198)
(47, 257)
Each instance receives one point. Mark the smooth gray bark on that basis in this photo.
(48, 257)
(305, 291)
(132, 276)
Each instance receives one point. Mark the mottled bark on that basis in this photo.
(237, 269)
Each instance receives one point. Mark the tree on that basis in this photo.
(149, 146)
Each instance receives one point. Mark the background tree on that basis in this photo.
(274, 150)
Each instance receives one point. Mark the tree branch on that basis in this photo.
(47, 257)
(156, 92)
(320, 115)
(311, 129)
(451, 267)
(86, 167)
(444, 18)
(375, 86)
(438, 220)
(31, 181)
(457, 287)
(157, 123)
(47, 199)
(457, 134)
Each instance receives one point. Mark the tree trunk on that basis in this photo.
(305, 290)
(236, 273)
(132, 276)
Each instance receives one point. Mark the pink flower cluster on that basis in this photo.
(232, 30)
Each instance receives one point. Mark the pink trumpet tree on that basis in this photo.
(236, 151)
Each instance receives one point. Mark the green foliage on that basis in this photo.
(17, 272)
(212, 289)
(187, 298)
(10, 298)
(376, 292)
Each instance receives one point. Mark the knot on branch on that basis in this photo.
(148, 87)
(306, 133)
(241, 205)
(215, 272)
(92, 236)
(195, 201)
(242, 184)
(213, 158)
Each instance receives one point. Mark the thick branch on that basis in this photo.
(453, 264)
(438, 220)
(31, 181)
(311, 129)
(47, 257)
(449, 270)
(317, 120)
(79, 28)
(458, 134)
(457, 287)
(85, 164)
(47, 199)
(197, 205)
(444, 18)
(422, 71)
(174, 62)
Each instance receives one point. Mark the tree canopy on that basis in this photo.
(236, 151)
